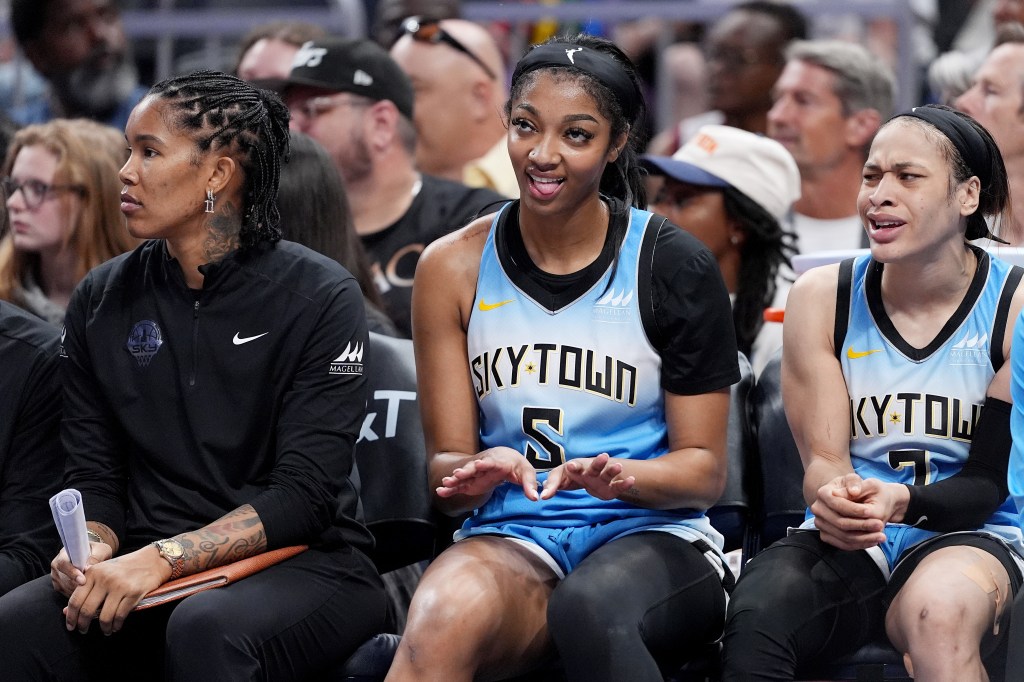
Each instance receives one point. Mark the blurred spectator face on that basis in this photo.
(83, 51)
(1006, 11)
(701, 212)
(744, 59)
(337, 121)
(268, 58)
(444, 80)
(42, 222)
(995, 99)
(807, 117)
(387, 24)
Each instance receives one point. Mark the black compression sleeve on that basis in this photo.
(967, 499)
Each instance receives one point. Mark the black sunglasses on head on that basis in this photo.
(430, 31)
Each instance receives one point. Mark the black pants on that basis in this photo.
(800, 600)
(803, 600)
(635, 602)
(285, 623)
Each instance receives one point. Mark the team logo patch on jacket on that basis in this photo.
(350, 361)
(144, 341)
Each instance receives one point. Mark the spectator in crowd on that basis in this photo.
(888, 361)
(829, 101)
(314, 199)
(80, 48)
(31, 458)
(267, 52)
(390, 15)
(60, 182)
(214, 391)
(504, 310)
(996, 100)
(458, 76)
(950, 76)
(745, 55)
(1008, 12)
(350, 96)
(733, 190)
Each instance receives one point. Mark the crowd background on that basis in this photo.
(681, 49)
(663, 36)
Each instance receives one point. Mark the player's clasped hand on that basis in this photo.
(112, 588)
(491, 468)
(851, 512)
(599, 476)
(66, 578)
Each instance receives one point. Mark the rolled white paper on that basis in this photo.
(69, 515)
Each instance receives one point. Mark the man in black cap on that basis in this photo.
(353, 98)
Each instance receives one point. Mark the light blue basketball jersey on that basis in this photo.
(576, 382)
(913, 411)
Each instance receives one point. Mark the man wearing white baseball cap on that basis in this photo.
(732, 190)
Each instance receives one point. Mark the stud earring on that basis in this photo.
(209, 200)
(734, 240)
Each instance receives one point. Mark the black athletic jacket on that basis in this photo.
(183, 405)
(31, 458)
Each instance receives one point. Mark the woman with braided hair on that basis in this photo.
(214, 391)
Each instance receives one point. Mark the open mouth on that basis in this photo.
(545, 187)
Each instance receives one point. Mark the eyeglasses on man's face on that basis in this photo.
(313, 107)
(430, 31)
(35, 192)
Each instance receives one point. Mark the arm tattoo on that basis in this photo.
(236, 535)
(223, 228)
(633, 493)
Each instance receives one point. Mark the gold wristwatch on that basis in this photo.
(174, 553)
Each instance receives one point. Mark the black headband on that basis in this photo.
(964, 137)
(973, 150)
(594, 62)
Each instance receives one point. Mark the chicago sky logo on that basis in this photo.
(614, 307)
(350, 361)
(970, 350)
(144, 341)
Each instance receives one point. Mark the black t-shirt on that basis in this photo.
(688, 318)
(440, 207)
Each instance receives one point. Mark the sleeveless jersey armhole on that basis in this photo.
(842, 306)
(645, 286)
(1002, 314)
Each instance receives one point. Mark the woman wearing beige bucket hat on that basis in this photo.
(732, 190)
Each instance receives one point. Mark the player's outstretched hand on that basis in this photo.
(491, 468)
(600, 476)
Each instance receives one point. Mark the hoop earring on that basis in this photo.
(209, 200)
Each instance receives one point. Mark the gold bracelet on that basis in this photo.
(93, 536)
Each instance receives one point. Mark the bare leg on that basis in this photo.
(480, 607)
(954, 597)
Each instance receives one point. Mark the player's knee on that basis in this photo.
(577, 609)
(447, 612)
(926, 618)
(764, 592)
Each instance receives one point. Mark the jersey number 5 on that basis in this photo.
(550, 454)
(918, 459)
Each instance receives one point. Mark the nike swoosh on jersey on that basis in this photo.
(238, 340)
(854, 354)
(484, 307)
